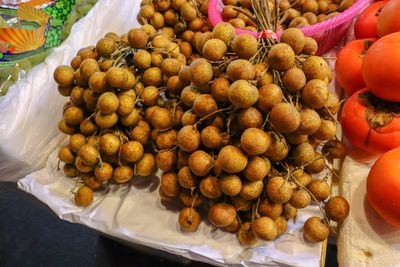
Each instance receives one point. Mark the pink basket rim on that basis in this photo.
(216, 17)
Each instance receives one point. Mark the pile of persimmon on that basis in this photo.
(236, 126)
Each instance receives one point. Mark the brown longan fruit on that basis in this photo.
(108, 103)
(189, 219)
(65, 91)
(105, 47)
(76, 141)
(132, 119)
(188, 138)
(310, 122)
(315, 67)
(170, 17)
(200, 72)
(245, 235)
(264, 228)
(116, 77)
(189, 118)
(152, 76)
(89, 155)
(200, 162)
(209, 187)
(331, 106)
(77, 95)
(310, 46)
(169, 184)
(281, 224)
(300, 199)
(161, 119)
(221, 215)
(188, 95)
(254, 141)
(188, 12)
(334, 149)
(320, 189)
(250, 118)
(187, 179)
(73, 116)
(126, 104)
(219, 89)
(295, 38)
(326, 131)
(337, 208)
(241, 69)
(142, 59)
(88, 67)
(141, 133)
(245, 46)
(84, 196)
(70, 170)
(138, 38)
(289, 212)
(299, 22)
(284, 117)
(242, 94)
(317, 165)
(279, 190)
(82, 167)
(123, 174)
(66, 155)
(214, 49)
(294, 79)
(150, 95)
(211, 137)
(131, 151)
(315, 93)
(311, 18)
(281, 57)
(230, 185)
(278, 149)
(191, 198)
(76, 62)
(225, 32)
(167, 139)
(303, 154)
(304, 179)
(109, 144)
(310, 6)
(104, 171)
(257, 168)
(174, 86)
(270, 209)
(64, 75)
(251, 189)
(166, 160)
(97, 82)
(106, 64)
(146, 166)
(315, 230)
(146, 11)
(106, 121)
(232, 228)
(232, 159)
(170, 67)
(269, 96)
(204, 104)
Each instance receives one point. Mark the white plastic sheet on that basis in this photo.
(132, 212)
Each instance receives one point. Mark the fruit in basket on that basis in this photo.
(348, 65)
(370, 123)
(383, 187)
(388, 21)
(384, 52)
(366, 23)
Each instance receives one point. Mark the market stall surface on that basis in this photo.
(32, 235)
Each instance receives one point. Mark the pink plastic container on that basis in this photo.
(327, 33)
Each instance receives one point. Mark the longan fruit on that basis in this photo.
(188, 12)
(232, 228)
(254, 141)
(214, 49)
(281, 57)
(66, 155)
(211, 137)
(219, 89)
(204, 104)
(146, 165)
(240, 69)
(64, 75)
(334, 149)
(232, 159)
(131, 81)
(289, 212)
(298, 22)
(76, 62)
(106, 64)
(105, 47)
(300, 199)
(315, 230)
(284, 117)
(225, 32)
(200, 162)
(295, 38)
(269, 96)
(142, 59)
(294, 79)
(82, 167)
(303, 154)
(281, 224)
(270, 209)
(108, 103)
(91, 181)
(310, 46)
(337, 208)
(317, 165)
(320, 189)
(166, 160)
(167, 139)
(73, 116)
(296, 139)
(170, 67)
(84, 196)
(126, 104)
(251, 189)
(70, 170)
(279, 190)
(311, 18)
(161, 119)
(209, 187)
(89, 155)
(245, 46)
(150, 95)
(245, 235)
(221, 215)
(65, 91)
(326, 131)
(138, 38)
(257, 168)
(77, 95)
(97, 82)
(123, 174)
(152, 76)
(131, 151)
(189, 219)
(146, 11)
(304, 179)
(315, 93)
(169, 184)
(331, 106)
(200, 72)
(187, 179)
(188, 138)
(88, 67)
(310, 6)
(264, 228)
(191, 198)
(278, 149)
(104, 171)
(230, 185)
(315, 67)
(242, 94)
(76, 141)
(116, 77)
(310, 122)
(106, 121)
(109, 144)
(250, 118)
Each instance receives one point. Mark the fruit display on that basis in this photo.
(239, 126)
(292, 13)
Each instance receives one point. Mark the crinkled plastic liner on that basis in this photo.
(28, 135)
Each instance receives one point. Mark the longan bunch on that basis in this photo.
(295, 13)
(246, 132)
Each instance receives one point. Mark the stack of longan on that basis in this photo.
(295, 13)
